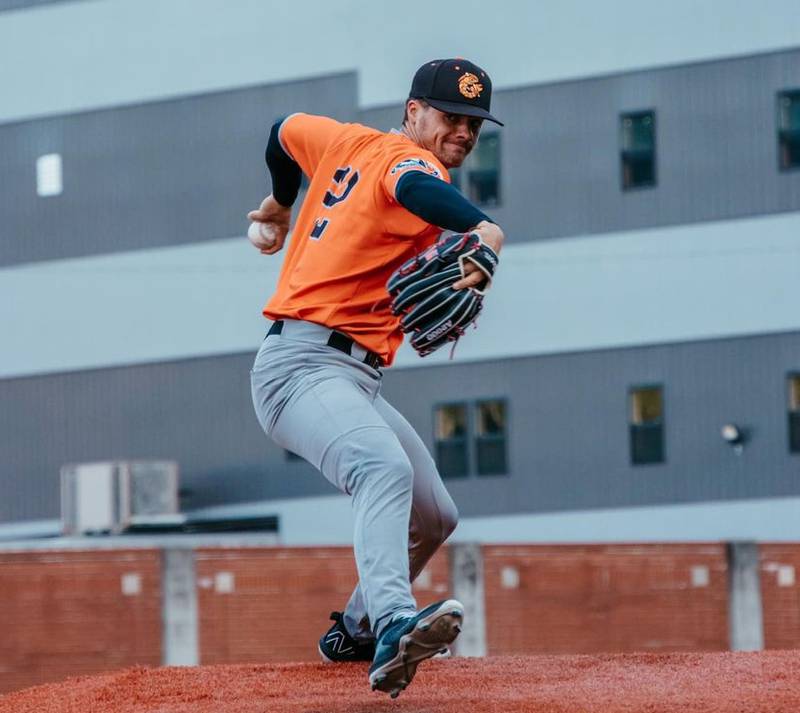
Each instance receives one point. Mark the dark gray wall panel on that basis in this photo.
(568, 428)
(197, 411)
(164, 173)
(568, 424)
(716, 148)
(187, 170)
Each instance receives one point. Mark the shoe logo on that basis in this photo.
(337, 641)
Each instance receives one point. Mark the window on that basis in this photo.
(479, 176)
(451, 441)
(490, 437)
(48, 175)
(646, 425)
(638, 149)
(789, 130)
(794, 412)
(472, 438)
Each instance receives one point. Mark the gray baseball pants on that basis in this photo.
(325, 406)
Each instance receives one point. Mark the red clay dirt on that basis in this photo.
(767, 682)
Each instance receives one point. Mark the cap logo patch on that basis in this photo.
(469, 85)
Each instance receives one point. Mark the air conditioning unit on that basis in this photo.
(114, 496)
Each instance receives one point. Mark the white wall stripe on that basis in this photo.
(683, 283)
(87, 55)
(327, 520)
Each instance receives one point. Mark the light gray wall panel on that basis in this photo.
(180, 47)
(568, 434)
(6, 5)
(164, 173)
(716, 148)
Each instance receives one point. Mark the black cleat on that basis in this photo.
(337, 646)
(408, 641)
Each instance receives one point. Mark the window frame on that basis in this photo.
(661, 423)
(779, 130)
(622, 151)
(792, 413)
(462, 172)
(471, 436)
(476, 437)
(466, 438)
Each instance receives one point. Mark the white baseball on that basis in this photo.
(261, 235)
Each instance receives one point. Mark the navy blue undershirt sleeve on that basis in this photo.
(286, 174)
(437, 202)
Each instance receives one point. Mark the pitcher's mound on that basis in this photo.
(767, 682)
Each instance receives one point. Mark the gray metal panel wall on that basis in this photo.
(716, 148)
(569, 424)
(197, 411)
(187, 170)
(163, 173)
(568, 427)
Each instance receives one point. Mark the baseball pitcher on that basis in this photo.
(365, 264)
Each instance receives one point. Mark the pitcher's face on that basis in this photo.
(449, 137)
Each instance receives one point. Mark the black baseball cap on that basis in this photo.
(455, 86)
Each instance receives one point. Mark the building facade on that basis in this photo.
(647, 298)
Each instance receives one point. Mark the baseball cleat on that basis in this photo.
(396, 691)
(410, 640)
(337, 646)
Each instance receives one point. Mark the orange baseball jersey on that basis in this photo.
(351, 233)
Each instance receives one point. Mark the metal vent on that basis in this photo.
(113, 496)
(153, 487)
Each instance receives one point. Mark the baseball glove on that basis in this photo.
(433, 313)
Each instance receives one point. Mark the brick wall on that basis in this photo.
(66, 613)
(268, 604)
(272, 604)
(780, 595)
(70, 613)
(615, 598)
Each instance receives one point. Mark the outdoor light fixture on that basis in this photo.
(734, 436)
(731, 433)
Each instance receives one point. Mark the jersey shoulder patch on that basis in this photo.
(416, 164)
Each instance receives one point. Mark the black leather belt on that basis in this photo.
(339, 341)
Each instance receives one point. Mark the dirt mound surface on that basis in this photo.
(620, 683)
